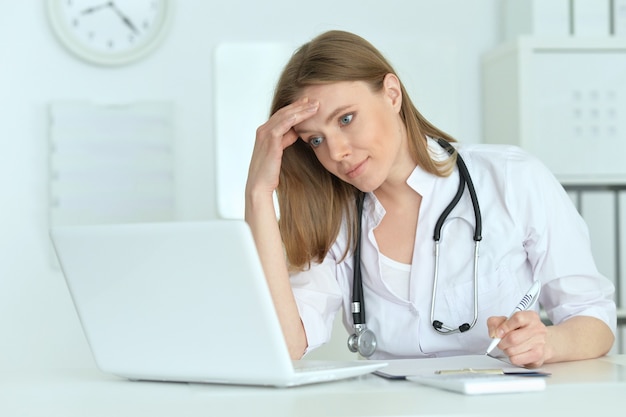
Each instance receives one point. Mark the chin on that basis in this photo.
(366, 188)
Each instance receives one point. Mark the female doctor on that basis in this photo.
(344, 132)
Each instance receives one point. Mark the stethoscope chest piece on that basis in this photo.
(363, 341)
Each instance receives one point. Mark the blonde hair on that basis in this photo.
(313, 202)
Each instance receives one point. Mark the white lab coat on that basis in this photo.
(531, 230)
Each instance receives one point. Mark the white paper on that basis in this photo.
(407, 367)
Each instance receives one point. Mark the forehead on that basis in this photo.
(333, 99)
(334, 91)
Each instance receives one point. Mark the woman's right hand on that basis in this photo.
(271, 139)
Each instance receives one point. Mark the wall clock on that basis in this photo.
(110, 32)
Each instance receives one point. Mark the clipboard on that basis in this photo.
(401, 369)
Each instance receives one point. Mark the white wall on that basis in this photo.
(38, 326)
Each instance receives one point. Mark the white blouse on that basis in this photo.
(531, 230)
(396, 275)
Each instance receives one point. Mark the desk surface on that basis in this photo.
(574, 389)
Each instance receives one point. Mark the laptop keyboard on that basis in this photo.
(308, 366)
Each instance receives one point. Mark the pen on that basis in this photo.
(526, 302)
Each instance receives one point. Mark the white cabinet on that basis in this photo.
(562, 99)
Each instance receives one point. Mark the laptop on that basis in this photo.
(182, 301)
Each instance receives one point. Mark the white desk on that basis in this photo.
(595, 387)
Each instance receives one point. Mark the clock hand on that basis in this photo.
(96, 8)
(125, 19)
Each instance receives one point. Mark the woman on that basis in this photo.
(342, 126)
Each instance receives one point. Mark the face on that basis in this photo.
(357, 134)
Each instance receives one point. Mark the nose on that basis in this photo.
(338, 147)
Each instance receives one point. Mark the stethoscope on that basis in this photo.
(363, 340)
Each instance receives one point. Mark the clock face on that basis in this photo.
(109, 32)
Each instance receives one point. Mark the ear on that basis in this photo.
(393, 90)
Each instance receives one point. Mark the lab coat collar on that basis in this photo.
(421, 181)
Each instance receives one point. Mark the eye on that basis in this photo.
(316, 141)
(346, 119)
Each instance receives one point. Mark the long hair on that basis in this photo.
(312, 201)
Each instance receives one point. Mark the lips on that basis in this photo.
(356, 170)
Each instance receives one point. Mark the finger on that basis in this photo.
(289, 138)
(516, 321)
(297, 115)
(274, 140)
(493, 323)
(297, 106)
(530, 359)
(526, 344)
(521, 319)
(528, 352)
(282, 122)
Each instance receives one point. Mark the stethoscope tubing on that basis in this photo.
(358, 302)
(357, 306)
